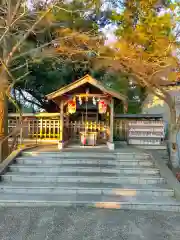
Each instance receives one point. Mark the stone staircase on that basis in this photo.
(86, 178)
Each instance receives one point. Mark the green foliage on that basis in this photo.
(136, 94)
(36, 71)
(44, 74)
(48, 76)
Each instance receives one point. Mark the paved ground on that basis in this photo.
(87, 224)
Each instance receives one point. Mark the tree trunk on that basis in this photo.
(173, 138)
(3, 114)
(4, 148)
(173, 148)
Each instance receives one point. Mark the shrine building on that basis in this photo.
(90, 101)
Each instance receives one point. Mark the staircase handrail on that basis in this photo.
(14, 134)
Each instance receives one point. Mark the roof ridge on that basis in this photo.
(89, 79)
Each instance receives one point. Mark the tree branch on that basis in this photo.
(28, 100)
(10, 24)
(18, 44)
(18, 67)
(73, 52)
(18, 5)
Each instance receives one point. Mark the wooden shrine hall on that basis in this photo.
(87, 99)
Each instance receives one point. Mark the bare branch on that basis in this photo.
(14, 49)
(18, 5)
(28, 100)
(69, 11)
(18, 67)
(10, 24)
(23, 76)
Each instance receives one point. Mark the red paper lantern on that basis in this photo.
(102, 106)
(71, 106)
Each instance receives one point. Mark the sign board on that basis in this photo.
(146, 132)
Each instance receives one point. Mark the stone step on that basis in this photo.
(82, 174)
(88, 200)
(82, 155)
(85, 162)
(69, 154)
(132, 179)
(79, 188)
(77, 169)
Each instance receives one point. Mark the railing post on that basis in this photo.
(21, 136)
(41, 128)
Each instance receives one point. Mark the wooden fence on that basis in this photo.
(120, 129)
(78, 126)
(39, 128)
(49, 129)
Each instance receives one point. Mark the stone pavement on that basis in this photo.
(87, 224)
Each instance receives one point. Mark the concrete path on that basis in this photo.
(87, 224)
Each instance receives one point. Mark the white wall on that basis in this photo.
(153, 105)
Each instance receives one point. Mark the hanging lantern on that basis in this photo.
(87, 93)
(71, 106)
(102, 106)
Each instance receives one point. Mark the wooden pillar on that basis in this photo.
(67, 127)
(111, 121)
(67, 121)
(61, 125)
